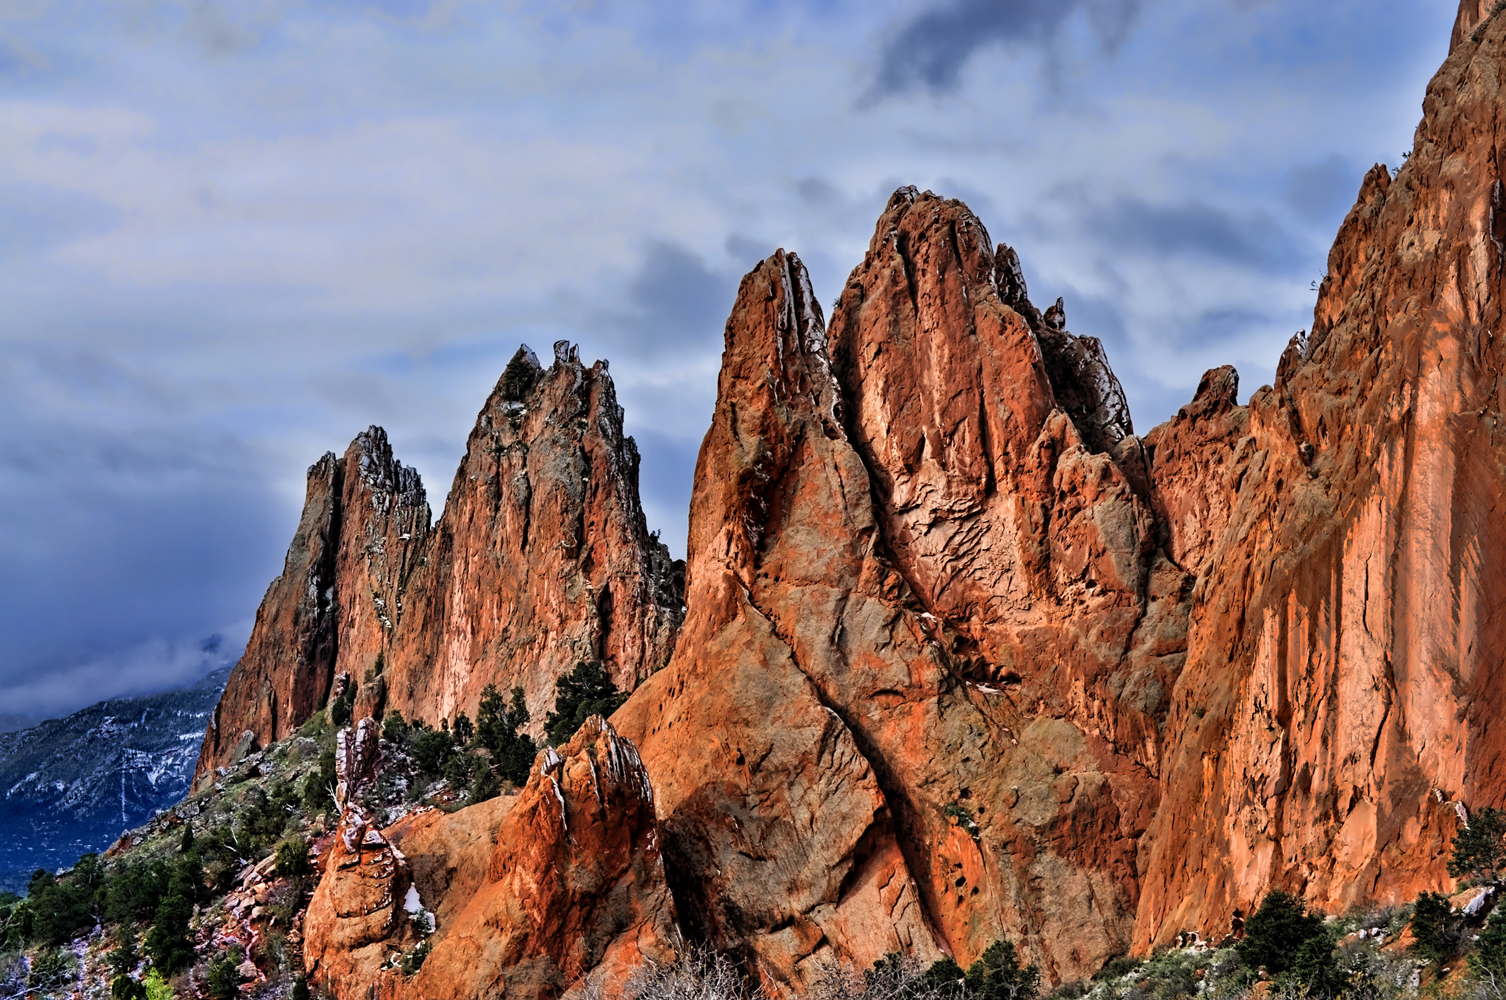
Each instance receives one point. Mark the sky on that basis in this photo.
(234, 234)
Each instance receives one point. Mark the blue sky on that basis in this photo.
(233, 234)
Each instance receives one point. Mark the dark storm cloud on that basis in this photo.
(931, 50)
(128, 538)
(1194, 229)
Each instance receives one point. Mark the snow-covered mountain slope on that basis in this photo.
(70, 786)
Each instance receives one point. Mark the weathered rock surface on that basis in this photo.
(541, 559)
(916, 702)
(529, 892)
(357, 918)
(365, 518)
(1344, 684)
(575, 882)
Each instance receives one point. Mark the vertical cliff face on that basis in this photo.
(965, 658)
(365, 519)
(1344, 686)
(541, 559)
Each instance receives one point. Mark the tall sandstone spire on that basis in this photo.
(541, 559)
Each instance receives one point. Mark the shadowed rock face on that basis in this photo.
(542, 559)
(365, 520)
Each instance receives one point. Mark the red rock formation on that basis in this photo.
(965, 658)
(1344, 678)
(338, 599)
(530, 893)
(541, 559)
(575, 882)
(915, 703)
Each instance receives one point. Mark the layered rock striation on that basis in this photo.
(541, 559)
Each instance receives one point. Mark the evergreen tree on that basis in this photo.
(168, 943)
(1275, 932)
(1480, 848)
(123, 957)
(497, 730)
(998, 975)
(578, 695)
(463, 730)
(1435, 926)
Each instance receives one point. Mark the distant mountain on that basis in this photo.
(70, 786)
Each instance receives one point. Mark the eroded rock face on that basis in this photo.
(542, 559)
(365, 519)
(357, 919)
(575, 882)
(912, 706)
(1344, 685)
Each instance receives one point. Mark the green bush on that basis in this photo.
(460, 769)
(123, 987)
(1275, 932)
(123, 957)
(486, 786)
(339, 709)
(394, 729)
(293, 858)
(157, 988)
(168, 943)
(224, 979)
(578, 695)
(432, 750)
(316, 787)
(463, 730)
(998, 975)
(134, 891)
(1480, 848)
(1488, 960)
(63, 908)
(300, 989)
(51, 971)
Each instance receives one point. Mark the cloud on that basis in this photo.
(1324, 189)
(1194, 229)
(931, 50)
(156, 664)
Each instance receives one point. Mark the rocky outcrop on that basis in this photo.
(358, 917)
(916, 701)
(965, 657)
(337, 602)
(574, 884)
(529, 893)
(541, 559)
